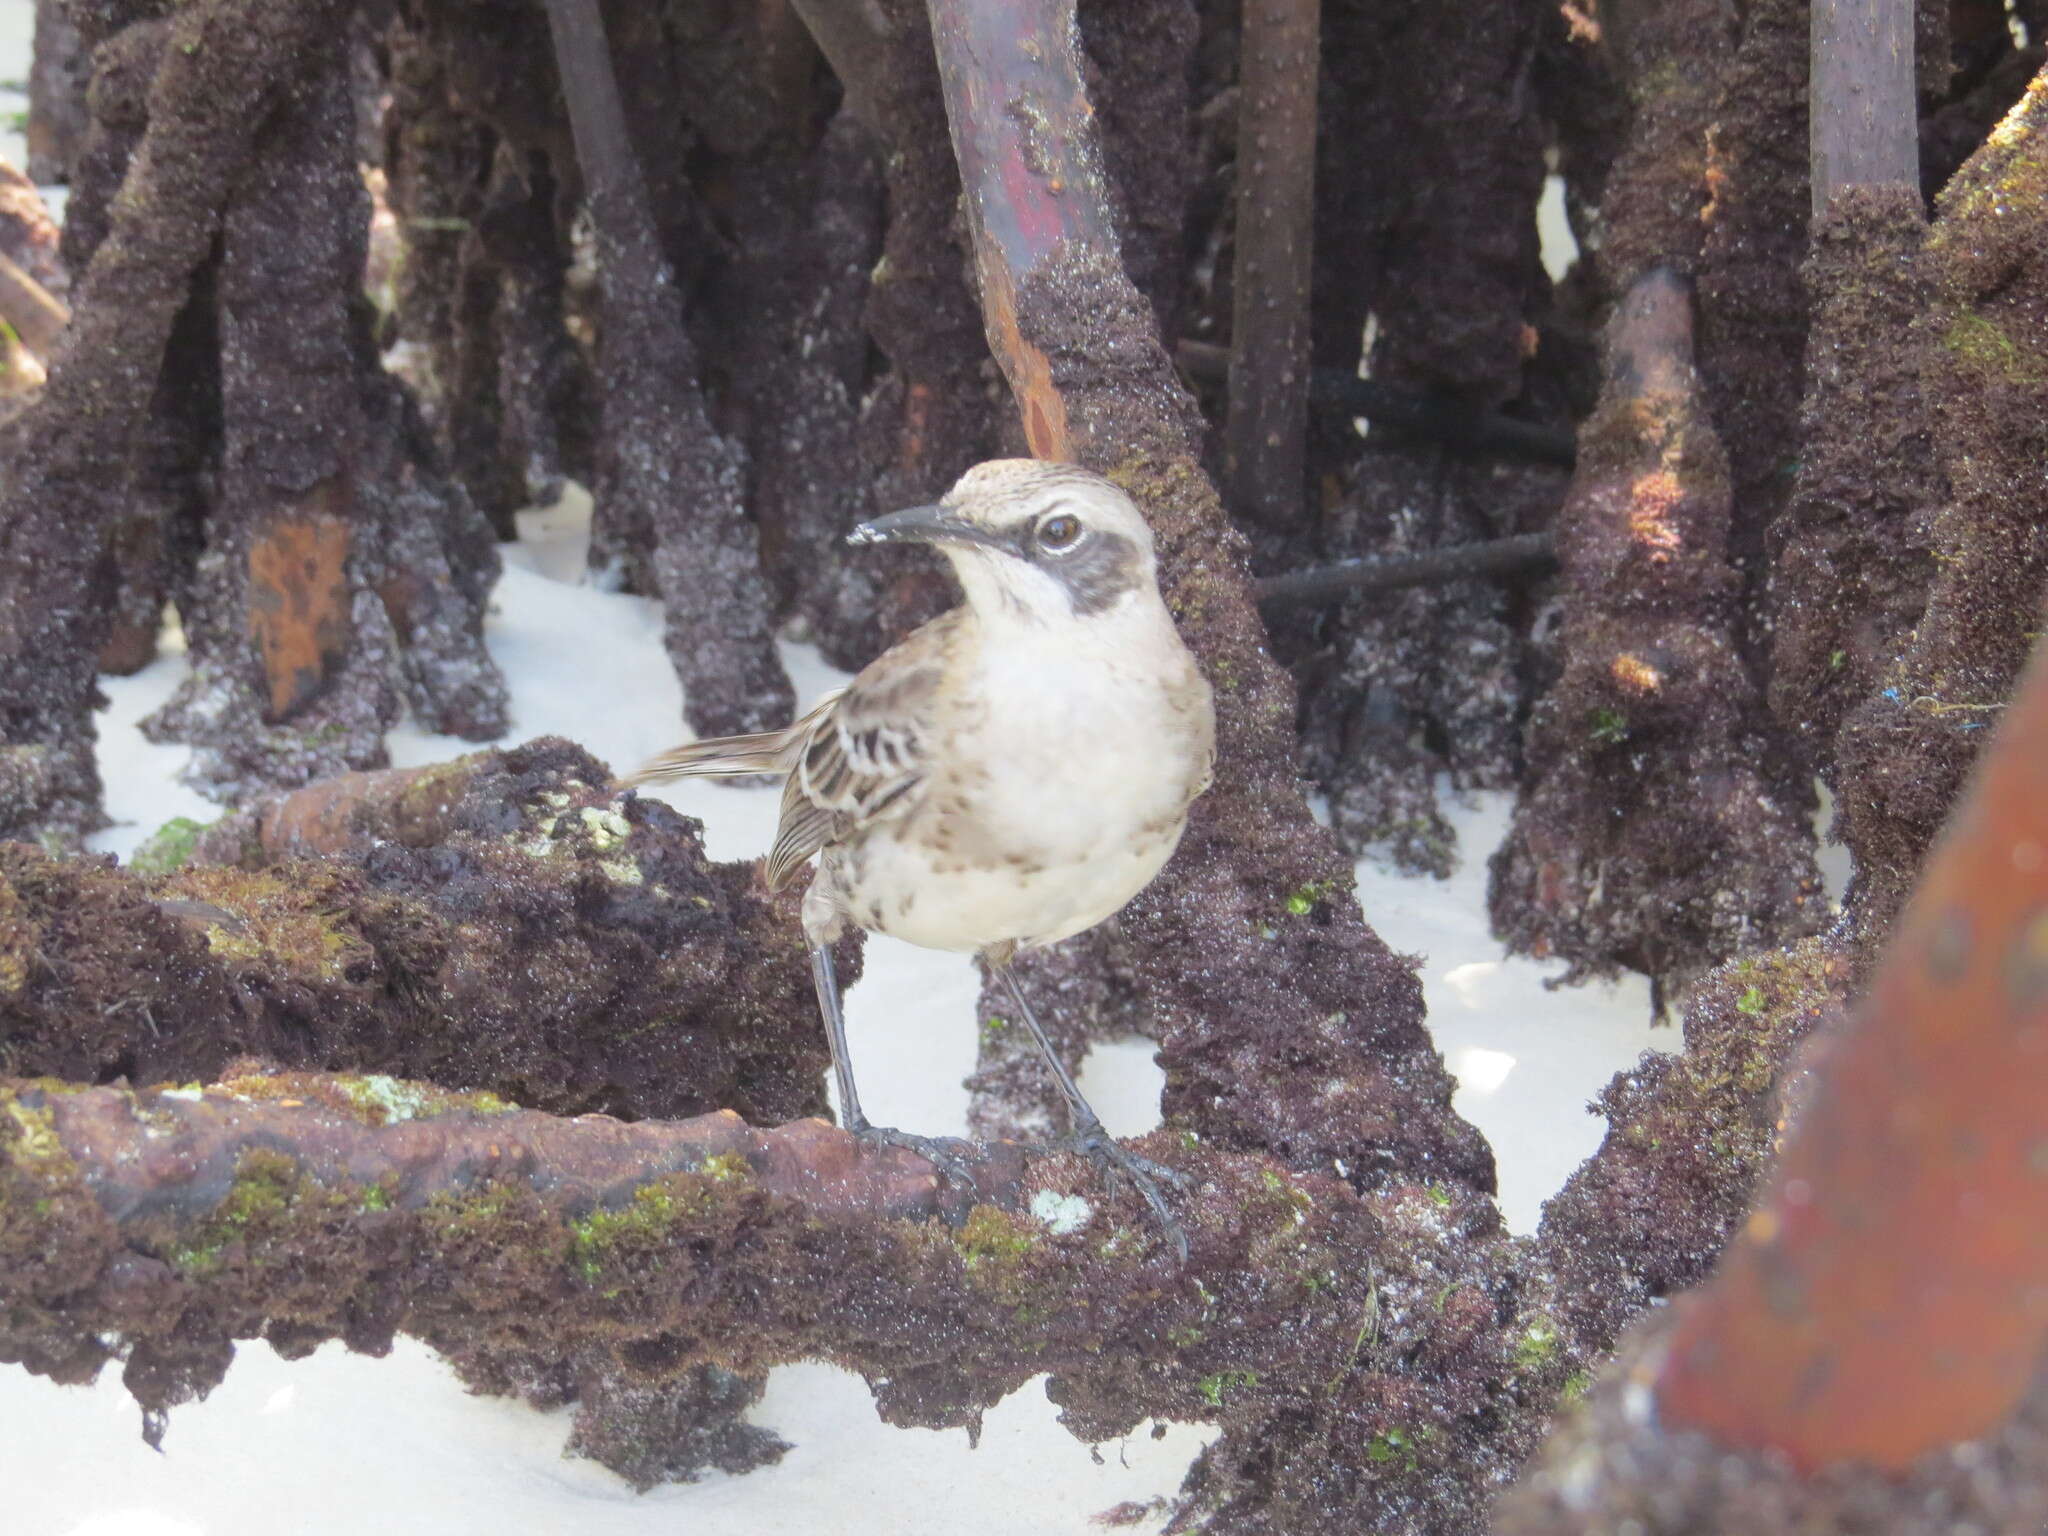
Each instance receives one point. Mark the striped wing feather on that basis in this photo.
(855, 760)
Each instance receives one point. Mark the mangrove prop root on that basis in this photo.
(1751, 302)
(57, 116)
(1690, 1137)
(1904, 750)
(661, 464)
(932, 414)
(1429, 137)
(1881, 1305)
(1257, 892)
(1851, 566)
(341, 559)
(163, 1223)
(501, 923)
(227, 62)
(1652, 833)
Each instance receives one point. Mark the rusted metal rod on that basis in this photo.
(1885, 1298)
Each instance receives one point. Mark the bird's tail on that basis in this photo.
(732, 756)
(720, 757)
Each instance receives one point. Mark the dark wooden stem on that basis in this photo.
(1523, 554)
(1862, 102)
(846, 32)
(662, 467)
(1264, 439)
(1094, 385)
(597, 118)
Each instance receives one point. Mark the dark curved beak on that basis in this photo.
(919, 525)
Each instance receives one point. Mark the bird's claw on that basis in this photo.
(945, 1153)
(1145, 1175)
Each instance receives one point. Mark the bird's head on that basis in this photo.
(1049, 542)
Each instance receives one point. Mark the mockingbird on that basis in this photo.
(1008, 775)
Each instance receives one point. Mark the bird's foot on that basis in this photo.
(945, 1153)
(1145, 1176)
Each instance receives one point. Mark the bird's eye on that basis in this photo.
(1060, 531)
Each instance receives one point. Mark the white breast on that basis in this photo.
(1059, 801)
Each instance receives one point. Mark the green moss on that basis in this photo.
(1394, 1446)
(479, 1212)
(1538, 1344)
(1214, 1387)
(646, 1219)
(36, 1139)
(390, 1100)
(1575, 1387)
(993, 1237)
(280, 921)
(1304, 898)
(726, 1167)
(19, 940)
(606, 1240)
(1751, 1002)
(268, 1192)
(1980, 345)
(1660, 79)
(1438, 1195)
(996, 1248)
(1607, 727)
(607, 828)
(168, 847)
(43, 1198)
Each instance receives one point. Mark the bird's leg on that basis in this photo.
(1088, 1133)
(942, 1152)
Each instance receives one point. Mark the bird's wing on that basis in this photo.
(862, 760)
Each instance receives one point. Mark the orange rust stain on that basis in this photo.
(402, 596)
(1715, 177)
(299, 597)
(1635, 675)
(917, 421)
(1028, 369)
(1891, 1299)
(1652, 499)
